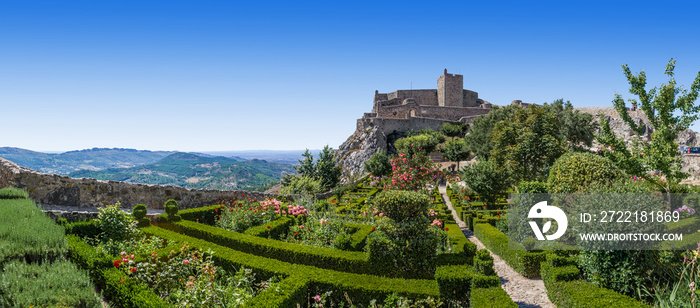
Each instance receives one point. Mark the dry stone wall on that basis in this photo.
(61, 190)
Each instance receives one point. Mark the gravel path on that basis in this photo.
(527, 293)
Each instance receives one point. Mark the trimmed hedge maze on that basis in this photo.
(305, 271)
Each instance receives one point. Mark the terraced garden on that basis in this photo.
(281, 254)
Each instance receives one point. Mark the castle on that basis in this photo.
(397, 112)
(449, 102)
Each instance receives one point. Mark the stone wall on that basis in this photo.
(435, 112)
(471, 98)
(61, 190)
(422, 97)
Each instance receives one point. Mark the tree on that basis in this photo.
(325, 170)
(453, 129)
(527, 145)
(306, 166)
(455, 150)
(478, 139)
(485, 179)
(424, 142)
(670, 110)
(575, 127)
(378, 164)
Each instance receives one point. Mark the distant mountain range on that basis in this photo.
(91, 159)
(189, 170)
(195, 171)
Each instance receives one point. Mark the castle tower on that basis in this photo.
(450, 89)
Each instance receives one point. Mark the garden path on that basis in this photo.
(527, 293)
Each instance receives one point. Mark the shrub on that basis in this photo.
(621, 270)
(407, 242)
(139, 213)
(492, 297)
(378, 164)
(412, 170)
(13, 193)
(171, 207)
(299, 185)
(533, 187)
(83, 228)
(116, 224)
(422, 142)
(204, 215)
(483, 263)
(27, 233)
(401, 205)
(574, 172)
(582, 294)
(57, 284)
(455, 282)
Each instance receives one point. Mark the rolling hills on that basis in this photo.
(197, 171)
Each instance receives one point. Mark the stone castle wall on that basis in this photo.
(422, 97)
(436, 112)
(61, 190)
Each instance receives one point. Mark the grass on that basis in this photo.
(27, 233)
(13, 193)
(58, 284)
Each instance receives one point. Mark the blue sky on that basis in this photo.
(223, 75)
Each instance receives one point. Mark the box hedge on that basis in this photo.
(524, 262)
(361, 288)
(565, 289)
(328, 258)
(493, 297)
(272, 229)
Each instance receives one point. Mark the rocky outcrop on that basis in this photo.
(359, 147)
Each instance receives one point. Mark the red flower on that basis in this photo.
(216, 210)
(117, 263)
(231, 210)
(447, 229)
(372, 228)
(133, 269)
(295, 233)
(268, 227)
(308, 229)
(240, 205)
(221, 205)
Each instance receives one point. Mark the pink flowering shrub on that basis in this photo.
(412, 171)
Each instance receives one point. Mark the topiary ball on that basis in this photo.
(171, 207)
(139, 212)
